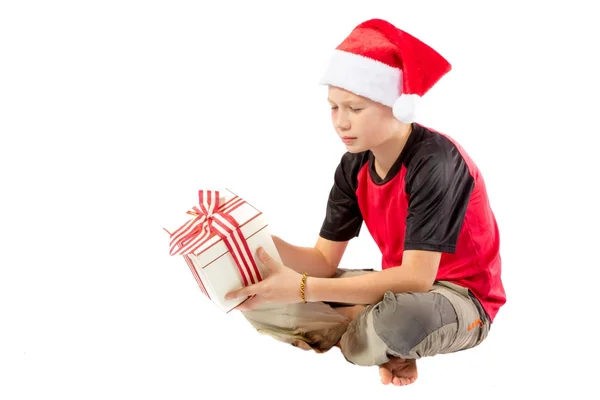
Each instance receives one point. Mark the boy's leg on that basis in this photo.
(312, 326)
(413, 325)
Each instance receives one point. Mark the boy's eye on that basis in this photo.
(351, 108)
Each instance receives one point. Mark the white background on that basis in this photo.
(114, 113)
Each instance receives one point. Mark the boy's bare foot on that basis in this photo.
(398, 372)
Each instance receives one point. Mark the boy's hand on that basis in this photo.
(281, 286)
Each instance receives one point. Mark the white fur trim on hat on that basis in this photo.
(364, 76)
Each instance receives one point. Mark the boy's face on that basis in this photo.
(361, 124)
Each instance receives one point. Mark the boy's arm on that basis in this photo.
(416, 274)
(322, 260)
(439, 186)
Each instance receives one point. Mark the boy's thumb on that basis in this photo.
(266, 258)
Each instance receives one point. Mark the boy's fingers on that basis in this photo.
(246, 291)
(249, 304)
(243, 292)
(266, 258)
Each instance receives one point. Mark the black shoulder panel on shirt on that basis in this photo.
(343, 218)
(439, 186)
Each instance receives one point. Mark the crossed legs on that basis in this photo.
(391, 334)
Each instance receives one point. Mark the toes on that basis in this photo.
(385, 375)
(397, 381)
(401, 381)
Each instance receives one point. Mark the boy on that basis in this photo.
(425, 204)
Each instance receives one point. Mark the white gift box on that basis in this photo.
(218, 239)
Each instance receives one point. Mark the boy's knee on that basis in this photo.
(397, 326)
(404, 321)
(360, 344)
(311, 325)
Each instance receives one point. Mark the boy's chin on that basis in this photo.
(355, 149)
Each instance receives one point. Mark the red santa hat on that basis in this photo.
(387, 65)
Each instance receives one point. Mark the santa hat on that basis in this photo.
(387, 65)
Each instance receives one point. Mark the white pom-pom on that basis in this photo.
(404, 108)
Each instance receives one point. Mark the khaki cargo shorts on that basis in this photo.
(446, 319)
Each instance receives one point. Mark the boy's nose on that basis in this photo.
(342, 124)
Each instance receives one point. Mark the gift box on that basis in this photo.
(218, 239)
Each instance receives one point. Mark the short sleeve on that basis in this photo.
(343, 219)
(439, 186)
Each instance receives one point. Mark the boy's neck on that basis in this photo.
(386, 155)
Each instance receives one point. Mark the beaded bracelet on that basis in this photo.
(302, 286)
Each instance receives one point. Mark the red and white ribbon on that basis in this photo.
(213, 219)
(190, 264)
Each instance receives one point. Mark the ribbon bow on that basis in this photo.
(213, 218)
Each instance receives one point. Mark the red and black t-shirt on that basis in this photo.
(433, 198)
